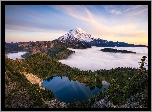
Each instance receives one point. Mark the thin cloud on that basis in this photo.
(22, 25)
(31, 21)
(11, 30)
(139, 12)
(73, 11)
(112, 9)
(83, 13)
(115, 12)
(135, 10)
(129, 10)
(22, 12)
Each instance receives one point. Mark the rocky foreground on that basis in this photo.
(55, 104)
(130, 103)
(21, 99)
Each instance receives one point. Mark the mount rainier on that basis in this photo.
(76, 34)
(79, 36)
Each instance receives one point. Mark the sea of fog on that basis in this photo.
(16, 55)
(94, 59)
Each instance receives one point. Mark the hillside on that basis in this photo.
(20, 92)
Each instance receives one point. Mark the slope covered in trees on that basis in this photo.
(19, 92)
(45, 66)
(124, 82)
(55, 49)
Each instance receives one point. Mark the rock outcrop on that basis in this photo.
(130, 103)
(34, 79)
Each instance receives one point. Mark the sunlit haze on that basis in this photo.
(123, 23)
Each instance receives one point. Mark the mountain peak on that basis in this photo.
(79, 30)
(76, 34)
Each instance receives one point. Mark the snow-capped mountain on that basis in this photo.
(76, 34)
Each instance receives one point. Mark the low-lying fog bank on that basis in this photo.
(16, 55)
(94, 59)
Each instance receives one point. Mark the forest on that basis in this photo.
(124, 82)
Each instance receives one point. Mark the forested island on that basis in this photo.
(116, 51)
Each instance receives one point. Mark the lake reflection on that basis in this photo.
(66, 90)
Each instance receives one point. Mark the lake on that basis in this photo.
(66, 90)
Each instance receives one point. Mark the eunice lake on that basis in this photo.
(67, 90)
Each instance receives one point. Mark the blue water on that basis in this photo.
(66, 90)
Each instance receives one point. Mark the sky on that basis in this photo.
(123, 23)
(94, 59)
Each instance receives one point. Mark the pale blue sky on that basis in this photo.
(127, 23)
